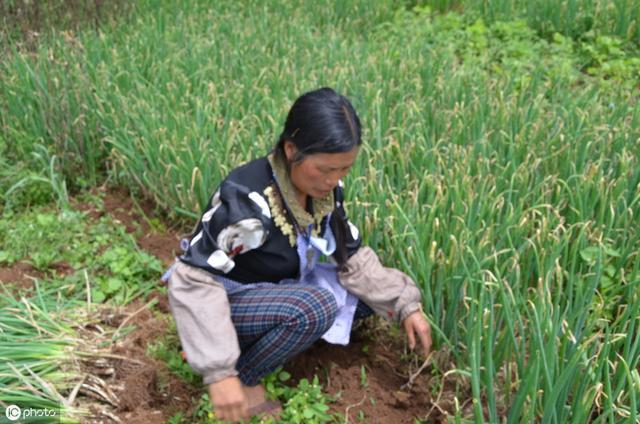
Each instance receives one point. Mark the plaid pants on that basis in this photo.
(275, 324)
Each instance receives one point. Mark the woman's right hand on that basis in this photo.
(228, 399)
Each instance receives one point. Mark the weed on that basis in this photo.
(99, 253)
(306, 404)
(363, 377)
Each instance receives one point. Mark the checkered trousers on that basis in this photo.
(276, 323)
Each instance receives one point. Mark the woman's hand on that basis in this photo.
(414, 324)
(229, 399)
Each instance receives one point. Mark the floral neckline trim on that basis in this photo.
(282, 196)
(278, 213)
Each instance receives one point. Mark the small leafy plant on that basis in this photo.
(306, 404)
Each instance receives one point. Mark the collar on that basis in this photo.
(321, 207)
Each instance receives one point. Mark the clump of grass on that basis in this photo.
(38, 348)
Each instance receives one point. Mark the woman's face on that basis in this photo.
(317, 174)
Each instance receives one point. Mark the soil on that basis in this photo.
(367, 379)
(20, 275)
(124, 384)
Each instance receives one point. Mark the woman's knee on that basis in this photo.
(315, 309)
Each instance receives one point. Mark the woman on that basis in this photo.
(250, 292)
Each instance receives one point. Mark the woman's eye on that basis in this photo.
(329, 171)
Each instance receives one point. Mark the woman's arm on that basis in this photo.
(202, 314)
(200, 307)
(389, 292)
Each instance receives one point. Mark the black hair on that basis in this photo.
(321, 121)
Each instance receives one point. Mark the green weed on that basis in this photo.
(303, 404)
(95, 254)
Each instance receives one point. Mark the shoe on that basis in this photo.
(267, 408)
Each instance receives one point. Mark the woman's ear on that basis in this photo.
(290, 150)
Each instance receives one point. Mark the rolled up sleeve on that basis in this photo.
(200, 307)
(388, 291)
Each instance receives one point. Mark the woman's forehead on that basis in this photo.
(335, 160)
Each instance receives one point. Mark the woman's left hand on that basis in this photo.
(414, 324)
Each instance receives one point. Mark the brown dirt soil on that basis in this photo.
(364, 378)
(149, 392)
(124, 385)
(19, 275)
(368, 378)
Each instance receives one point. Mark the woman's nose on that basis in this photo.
(332, 181)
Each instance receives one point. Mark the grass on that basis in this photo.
(573, 18)
(500, 166)
(39, 352)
